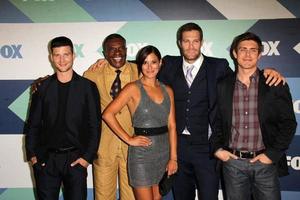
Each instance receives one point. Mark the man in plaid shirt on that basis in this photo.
(255, 125)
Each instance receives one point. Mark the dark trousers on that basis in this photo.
(196, 170)
(243, 179)
(57, 171)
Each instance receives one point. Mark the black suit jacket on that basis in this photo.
(172, 72)
(275, 113)
(82, 117)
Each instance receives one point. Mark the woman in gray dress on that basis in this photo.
(152, 149)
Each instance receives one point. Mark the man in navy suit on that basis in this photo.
(255, 125)
(62, 131)
(193, 78)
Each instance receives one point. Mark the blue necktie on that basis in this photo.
(189, 75)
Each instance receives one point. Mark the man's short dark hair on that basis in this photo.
(240, 38)
(188, 27)
(59, 42)
(110, 37)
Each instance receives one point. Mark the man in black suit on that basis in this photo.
(255, 125)
(193, 78)
(62, 133)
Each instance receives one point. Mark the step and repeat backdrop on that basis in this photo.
(26, 27)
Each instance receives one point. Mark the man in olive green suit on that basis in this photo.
(111, 165)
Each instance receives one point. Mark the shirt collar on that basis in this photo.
(123, 68)
(253, 78)
(196, 64)
(255, 75)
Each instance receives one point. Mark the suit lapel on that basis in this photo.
(126, 75)
(108, 80)
(201, 74)
(182, 77)
(211, 82)
(262, 91)
(228, 100)
(178, 73)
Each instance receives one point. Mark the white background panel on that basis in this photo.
(34, 40)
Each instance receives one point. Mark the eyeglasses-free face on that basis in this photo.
(115, 52)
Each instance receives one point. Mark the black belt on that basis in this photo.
(150, 131)
(62, 150)
(246, 154)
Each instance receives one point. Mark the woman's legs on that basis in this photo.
(147, 193)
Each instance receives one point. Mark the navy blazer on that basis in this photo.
(276, 118)
(216, 69)
(82, 118)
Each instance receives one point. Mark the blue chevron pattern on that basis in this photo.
(16, 11)
(10, 90)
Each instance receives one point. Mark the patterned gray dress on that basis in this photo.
(146, 165)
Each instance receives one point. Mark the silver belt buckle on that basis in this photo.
(241, 154)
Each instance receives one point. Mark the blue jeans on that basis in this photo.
(243, 179)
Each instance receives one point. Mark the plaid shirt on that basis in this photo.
(246, 133)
